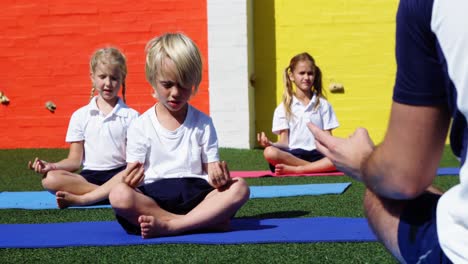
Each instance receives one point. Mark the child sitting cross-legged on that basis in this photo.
(174, 181)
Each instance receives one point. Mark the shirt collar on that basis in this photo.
(118, 108)
(312, 101)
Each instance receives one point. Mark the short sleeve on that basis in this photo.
(419, 78)
(76, 126)
(280, 121)
(209, 143)
(137, 142)
(329, 118)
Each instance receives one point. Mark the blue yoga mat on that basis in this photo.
(448, 171)
(244, 231)
(45, 200)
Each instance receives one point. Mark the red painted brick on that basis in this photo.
(46, 48)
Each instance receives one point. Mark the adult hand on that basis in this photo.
(346, 154)
(218, 174)
(134, 174)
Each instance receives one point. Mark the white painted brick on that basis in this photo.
(230, 106)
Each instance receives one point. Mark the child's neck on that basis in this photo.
(303, 97)
(168, 119)
(106, 106)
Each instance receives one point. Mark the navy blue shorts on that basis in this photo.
(178, 196)
(307, 155)
(417, 232)
(100, 177)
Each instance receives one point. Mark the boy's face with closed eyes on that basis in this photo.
(168, 91)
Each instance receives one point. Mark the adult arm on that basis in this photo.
(406, 162)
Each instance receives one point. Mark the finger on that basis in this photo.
(226, 170)
(32, 165)
(39, 165)
(128, 175)
(140, 174)
(214, 182)
(314, 129)
(322, 149)
(132, 166)
(134, 175)
(321, 136)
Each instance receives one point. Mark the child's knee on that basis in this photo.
(240, 190)
(270, 153)
(121, 196)
(51, 181)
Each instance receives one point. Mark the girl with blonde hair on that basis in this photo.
(303, 102)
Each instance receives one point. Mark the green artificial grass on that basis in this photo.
(15, 176)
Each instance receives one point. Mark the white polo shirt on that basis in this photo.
(299, 134)
(173, 154)
(104, 136)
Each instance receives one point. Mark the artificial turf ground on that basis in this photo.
(14, 176)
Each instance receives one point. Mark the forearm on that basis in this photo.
(279, 145)
(283, 140)
(67, 164)
(381, 177)
(405, 164)
(394, 179)
(74, 159)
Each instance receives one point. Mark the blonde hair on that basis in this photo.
(109, 56)
(182, 51)
(288, 91)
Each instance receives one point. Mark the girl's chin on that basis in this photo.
(108, 95)
(109, 98)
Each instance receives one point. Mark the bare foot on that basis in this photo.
(285, 169)
(152, 227)
(66, 199)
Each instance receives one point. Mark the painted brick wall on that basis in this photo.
(231, 95)
(351, 40)
(45, 50)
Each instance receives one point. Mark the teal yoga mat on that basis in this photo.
(244, 231)
(45, 200)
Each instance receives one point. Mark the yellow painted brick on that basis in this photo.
(352, 42)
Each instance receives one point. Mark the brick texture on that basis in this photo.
(353, 43)
(46, 47)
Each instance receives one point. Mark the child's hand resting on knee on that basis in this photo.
(218, 174)
(41, 166)
(134, 174)
(263, 140)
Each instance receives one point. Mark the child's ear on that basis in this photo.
(91, 77)
(291, 76)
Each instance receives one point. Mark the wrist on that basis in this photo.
(53, 166)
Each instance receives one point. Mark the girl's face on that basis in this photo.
(168, 91)
(107, 80)
(303, 75)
